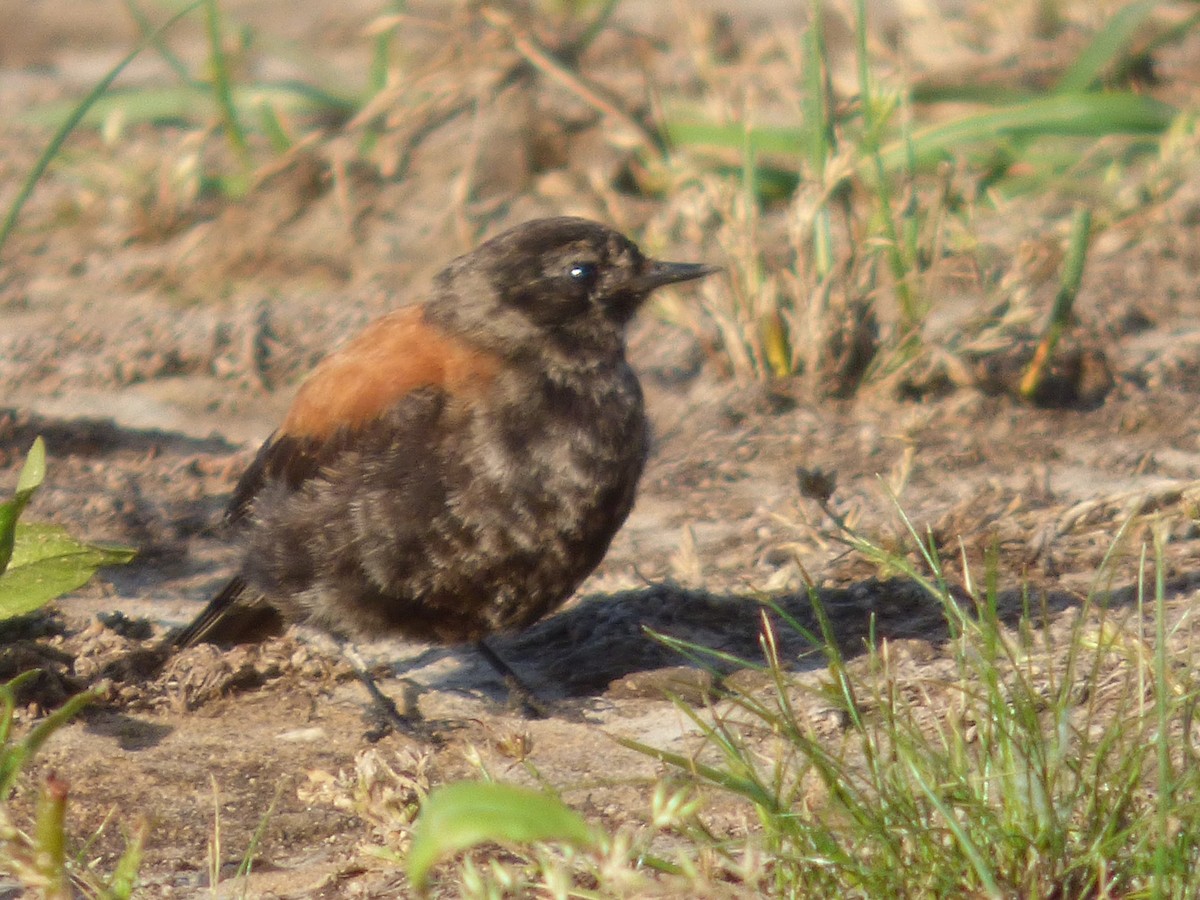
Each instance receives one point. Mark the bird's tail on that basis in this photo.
(207, 620)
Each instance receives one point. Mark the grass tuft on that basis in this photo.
(883, 192)
(40, 860)
(1044, 764)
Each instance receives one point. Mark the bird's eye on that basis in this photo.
(582, 272)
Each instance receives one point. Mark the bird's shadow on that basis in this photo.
(585, 649)
(99, 437)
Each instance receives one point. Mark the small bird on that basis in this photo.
(459, 467)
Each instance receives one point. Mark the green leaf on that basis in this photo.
(33, 473)
(9, 510)
(459, 816)
(30, 479)
(47, 563)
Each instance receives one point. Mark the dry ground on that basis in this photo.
(153, 336)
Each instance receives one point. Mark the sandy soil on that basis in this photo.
(153, 332)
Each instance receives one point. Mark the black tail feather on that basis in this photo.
(207, 620)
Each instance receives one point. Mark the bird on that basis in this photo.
(460, 466)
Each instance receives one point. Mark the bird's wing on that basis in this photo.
(284, 458)
(351, 391)
(395, 376)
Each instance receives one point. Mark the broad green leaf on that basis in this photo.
(46, 563)
(459, 816)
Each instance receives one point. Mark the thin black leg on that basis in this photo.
(520, 697)
(385, 710)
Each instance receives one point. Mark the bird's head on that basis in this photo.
(565, 286)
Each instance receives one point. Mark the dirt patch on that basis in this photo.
(154, 335)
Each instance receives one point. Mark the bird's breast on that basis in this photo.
(561, 458)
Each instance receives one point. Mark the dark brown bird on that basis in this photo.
(460, 466)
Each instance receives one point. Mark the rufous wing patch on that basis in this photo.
(392, 357)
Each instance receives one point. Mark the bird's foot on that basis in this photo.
(520, 697)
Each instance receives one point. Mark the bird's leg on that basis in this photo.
(520, 697)
(383, 706)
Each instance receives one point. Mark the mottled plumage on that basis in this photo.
(461, 465)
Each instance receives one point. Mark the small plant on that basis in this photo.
(459, 816)
(546, 848)
(39, 861)
(70, 119)
(877, 200)
(1036, 768)
(37, 564)
(41, 562)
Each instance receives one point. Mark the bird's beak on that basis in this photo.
(657, 273)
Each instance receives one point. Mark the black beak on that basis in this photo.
(657, 273)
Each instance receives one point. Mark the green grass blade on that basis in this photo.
(1106, 48)
(222, 85)
(1166, 800)
(974, 855)
(983, 94)
(13, 759)
(194, 104)
(595, 27)
(125, 876)
(56, 142)
(273, 128)
(744, 787)
(1080, 115)
(246, 866)
(1062, 115)
(155, 40)
(1064, 302)
(783, 140)
(818, 131)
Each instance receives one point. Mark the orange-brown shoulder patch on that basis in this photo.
(391, 357)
